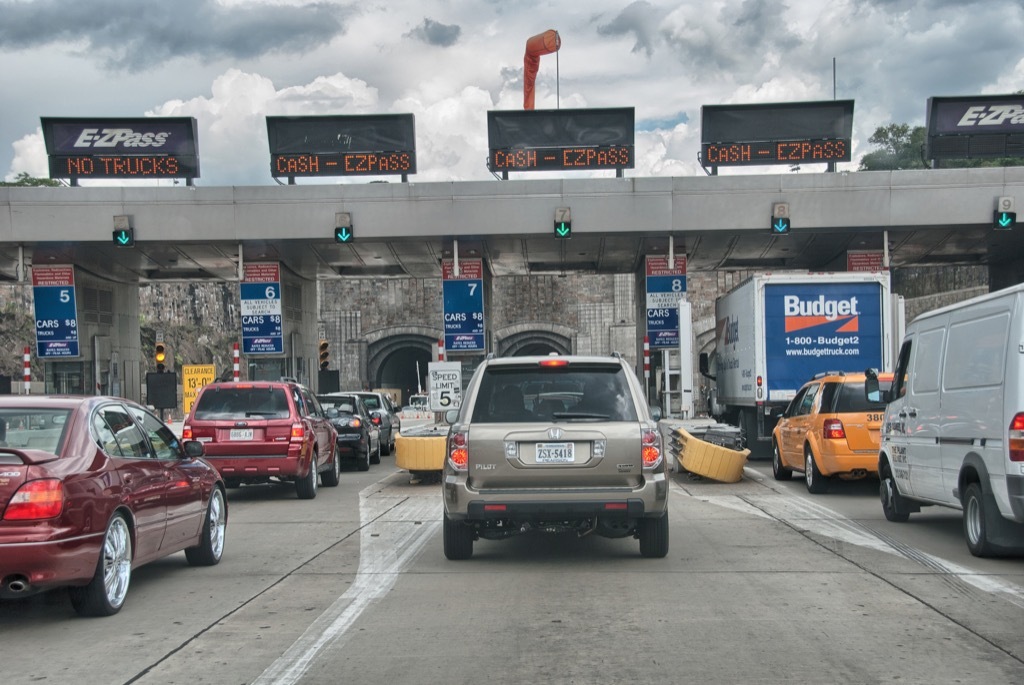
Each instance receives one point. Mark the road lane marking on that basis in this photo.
(815, 518)
(389, 540)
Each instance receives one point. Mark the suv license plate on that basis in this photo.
(555, 453)
(241, 434)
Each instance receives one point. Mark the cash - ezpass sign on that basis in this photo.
(463, 305)
(53, 289)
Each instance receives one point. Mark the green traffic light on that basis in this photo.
(563, 229)
(1004, 221)
(124, 237)
(343, 234)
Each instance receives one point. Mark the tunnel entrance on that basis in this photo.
(399, 362)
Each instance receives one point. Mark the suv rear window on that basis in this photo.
(852, 400)
(511, 394)
(230, 403)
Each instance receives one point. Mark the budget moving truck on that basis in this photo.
(775, 331)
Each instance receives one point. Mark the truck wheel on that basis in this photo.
(458, 539)
(893, 504)
(778, 470)
(975, 529)
(653, 535)
(816, 483)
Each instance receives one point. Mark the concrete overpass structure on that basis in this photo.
(919, 218)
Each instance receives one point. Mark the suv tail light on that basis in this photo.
(37, 499)
(833, 430)
(1017, 438)
(458, 451)
(186, 432)
(298, 432)
(650, 448)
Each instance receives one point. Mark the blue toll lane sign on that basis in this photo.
(463, 305)
(665, 287)
(53, 289)
(260, 291)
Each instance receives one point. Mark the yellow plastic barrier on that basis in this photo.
(711, 461)
(419, 453)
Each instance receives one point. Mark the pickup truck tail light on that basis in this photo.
(1017, 438)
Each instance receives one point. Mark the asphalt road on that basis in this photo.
(763, 583)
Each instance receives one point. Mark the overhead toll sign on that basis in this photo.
(665, 287)
(138, 147)
(260, 290)
(463, 305)
(56, 310)
(780, 133)
(977, 126)
(560, 139)
(358, 145)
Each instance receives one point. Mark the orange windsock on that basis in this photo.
(541, 44)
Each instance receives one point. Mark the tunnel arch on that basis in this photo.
(392, 355)
(535, 338)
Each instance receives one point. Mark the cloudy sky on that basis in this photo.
(230, 63)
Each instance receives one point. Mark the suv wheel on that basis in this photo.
(306, 487)
(653, 533)
(332, 477)
(458, 539)
(975, 529)
(778, 470)
(816, 483)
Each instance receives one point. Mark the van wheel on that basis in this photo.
(816, 483)
(653, 535)
(893, 505)
(778, 470)
(458, 539)
(975, 529)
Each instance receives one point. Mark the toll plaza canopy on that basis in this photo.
(931, 217)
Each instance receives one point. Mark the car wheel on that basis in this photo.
(332, 477)
(106, 592)
(892, 501)
(375, 459)
(816, 483)
(386, 445)
(653, 534)
(778, 470)
(458, 539)
(211, 546)
(364, 462)
(306, 487)
(975, 529)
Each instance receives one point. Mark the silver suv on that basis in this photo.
(552, 444)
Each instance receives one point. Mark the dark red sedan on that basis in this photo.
(94, 487)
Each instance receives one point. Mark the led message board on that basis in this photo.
(359, 145)
(781, 133)
(975, 127)
(138, 147)
(560, 139)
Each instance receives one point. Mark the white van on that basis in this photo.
(953, 433)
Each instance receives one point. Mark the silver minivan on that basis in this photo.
(953, 433)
